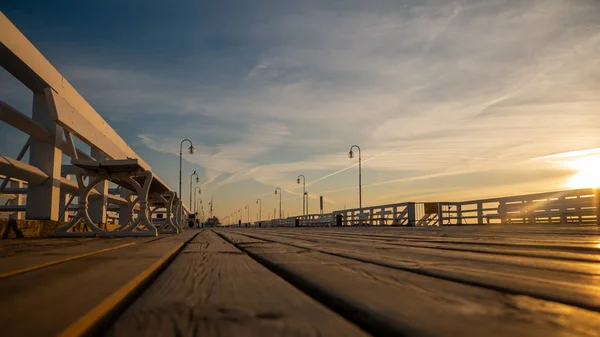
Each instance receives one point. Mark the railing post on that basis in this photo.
(459, 214)
(18, 200)
(440, 214)
(43, 200)
(410, 207)
(479, 213)
(64, 200)
(531, 214)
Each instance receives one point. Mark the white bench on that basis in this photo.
(129, 174)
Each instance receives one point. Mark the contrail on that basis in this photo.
(288, 188)
(349, 167)
(400, 180)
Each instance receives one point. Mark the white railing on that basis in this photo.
(59, 115)
(579, 206)
(571, 206)
(326, 219)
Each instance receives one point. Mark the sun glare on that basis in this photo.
(588, 172)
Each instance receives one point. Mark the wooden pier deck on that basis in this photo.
(360, 281)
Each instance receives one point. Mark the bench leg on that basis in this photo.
(169, 226)
(135, 228)
(82, 211)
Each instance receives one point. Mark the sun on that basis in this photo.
(588, 172)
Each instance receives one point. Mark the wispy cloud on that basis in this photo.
(429, 90)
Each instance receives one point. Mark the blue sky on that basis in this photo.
(449, 100)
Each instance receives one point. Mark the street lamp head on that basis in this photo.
(350, 154)
(298, 180)
(197, 179)
(275, 191)
(191, 150)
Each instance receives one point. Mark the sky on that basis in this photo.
(448, 100)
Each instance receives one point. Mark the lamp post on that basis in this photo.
(199, 192)
(277, 188)
(351, 155)
(248, 208)
(191, 151)
(200, 207)
(307, 209)
(197, 181)
(259, 202)
(303, 192)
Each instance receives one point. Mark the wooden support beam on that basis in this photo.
(18, 120)
(20, 170)
(12, 208)
(43, 199)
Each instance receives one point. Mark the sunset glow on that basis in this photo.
(588, 172)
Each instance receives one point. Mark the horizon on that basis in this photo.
(448, 100)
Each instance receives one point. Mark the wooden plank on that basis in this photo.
(388, 301)
(435, 255)
(487, 236)
(20, 121)
(93, 132)
(20, 170)
(563, 239)
(554, 249)
(575, 289)
(45, 302)
(214, 289)
(34, 254)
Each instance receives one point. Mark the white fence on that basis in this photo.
(571, 206)
(580, 206)
(42, 188)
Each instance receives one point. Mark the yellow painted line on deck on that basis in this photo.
(52, 263)
(83, 324)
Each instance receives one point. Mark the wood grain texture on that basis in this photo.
(30, 253)
(525, 276)
(45, 301)
(401, 302)
(522, 258)
(213, 289)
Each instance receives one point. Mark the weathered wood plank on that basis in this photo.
(509, 244)
(395, 302)
(32, 253)
(214, 289)
(10, 248)
(46, 301)
(553, 234)
(576, 289)
(552, 260)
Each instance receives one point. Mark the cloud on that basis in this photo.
(454, 87)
